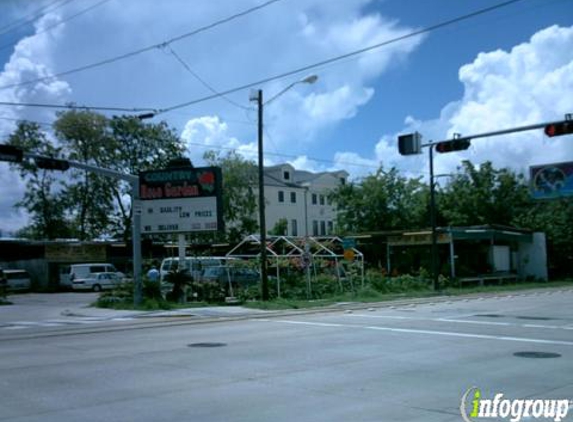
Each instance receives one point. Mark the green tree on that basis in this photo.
(483, 195)
(93, 204)
(382, 201)
(280, 228)
(43, 199)
(239, 198)
(84, 136)
(136, 147)
(555, 219)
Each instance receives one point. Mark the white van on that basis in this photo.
(17, 280)
(79, 273)
(194, 264)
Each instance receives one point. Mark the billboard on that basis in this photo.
(181, 200)
(551, 180)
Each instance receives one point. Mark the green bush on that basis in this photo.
(250, 293)
(208, 291)
(323, 286)
(152, 289)
(180, 280)
(121, 297)
(400, 284)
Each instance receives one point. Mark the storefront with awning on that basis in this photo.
(466, 252)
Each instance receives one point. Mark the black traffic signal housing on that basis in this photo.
(11, 153)
(558, 129)
(453, 145)
(52, 164)
(410, 144)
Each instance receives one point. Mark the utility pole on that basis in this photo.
(258, 97)
(434, 252)
(262, 221)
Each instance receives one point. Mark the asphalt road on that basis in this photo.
(407, 363)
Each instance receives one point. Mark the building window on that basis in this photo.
(328, 200)
(294, 228)
(314, 228)
(314, 199)
(330, 227)
(286, 175)
(342, 181)
(322, 228)
(321, 199)
(293, 197)
(281, 196)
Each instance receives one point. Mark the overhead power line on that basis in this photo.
(144, 49)
(342, 57)
(201, 80)
(42, 12)
(6, 28)
(262, 81)
(77, 107)
(62, 21)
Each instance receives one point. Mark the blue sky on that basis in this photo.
(510, 67)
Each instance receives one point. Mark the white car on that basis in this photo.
(97, 282)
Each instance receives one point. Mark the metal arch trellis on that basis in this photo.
(294, 247)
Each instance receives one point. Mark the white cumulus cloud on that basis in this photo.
(31, 59)
(531, 83)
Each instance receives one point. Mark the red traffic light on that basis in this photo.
(453, 145)
(558, 129)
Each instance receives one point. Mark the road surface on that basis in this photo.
(405, 363)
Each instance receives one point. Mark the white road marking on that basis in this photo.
(316, 324)
(19, 325)
(467, 321)
(425, 332)
(73, 321)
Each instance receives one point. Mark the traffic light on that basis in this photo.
(410, 144)
(11, 153)
(52, 164)
(558, 129)
(453, 145)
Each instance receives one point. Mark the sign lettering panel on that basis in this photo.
(181, 200)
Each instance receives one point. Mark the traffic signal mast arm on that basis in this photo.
(59, 164)
(98, 170)
(568, 122)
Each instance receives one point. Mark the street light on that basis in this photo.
(258, 97)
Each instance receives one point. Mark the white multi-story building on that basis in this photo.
(301, 198)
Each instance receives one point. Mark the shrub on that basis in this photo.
(399, 284)
(122, 295)
(208, 291)
(179, 279)
(152, 289)
(323, 286)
